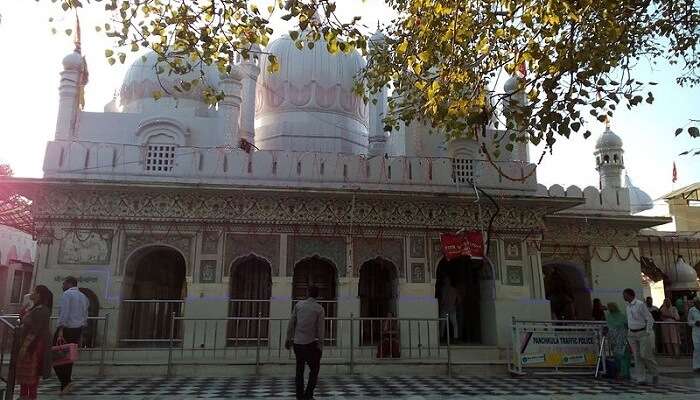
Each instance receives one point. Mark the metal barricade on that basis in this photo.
(93, 343)
(673, 339)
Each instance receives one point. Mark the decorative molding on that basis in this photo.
(334, 211)
(590, 232)
(513, 250)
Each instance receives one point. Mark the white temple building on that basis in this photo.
(156, 210)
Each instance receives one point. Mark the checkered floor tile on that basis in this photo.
(358, 386)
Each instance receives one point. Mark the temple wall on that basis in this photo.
(610, 277)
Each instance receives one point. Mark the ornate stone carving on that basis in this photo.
(332, 248)
(86, 247)
(514, 275)
(210, 242)
(513, 250)
(241, 245)
(590, 232)
(417, 272)
(435, 256)
(268, 208)
(207, 271)
(179, 241)
(365, 249)
(416, 247)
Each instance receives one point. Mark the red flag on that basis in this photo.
(675, 173)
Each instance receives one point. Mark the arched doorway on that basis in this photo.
(154, 288)
(378, 289)
(90, 334)
(567, 290)
(319, 272)
(250, 292)
(458, 291)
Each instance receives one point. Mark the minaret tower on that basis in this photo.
(251, 71)
(609, 158)
(378, 108)
(70, 91)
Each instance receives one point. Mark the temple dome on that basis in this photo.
(608, 140)
(309, 104)
(683, 276)
(142, 81)
(639, 199)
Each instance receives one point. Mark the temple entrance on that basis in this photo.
(319, 272)
(457, 289)
(250, 292)
(378, 290)
(567, 289)
(90, 334)
(154, 286)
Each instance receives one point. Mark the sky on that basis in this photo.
(31, 63)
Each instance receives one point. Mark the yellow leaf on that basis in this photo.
(424, 56)
(402, 47)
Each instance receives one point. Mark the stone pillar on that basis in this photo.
(377, 135)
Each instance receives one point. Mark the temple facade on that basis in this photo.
(170, 207)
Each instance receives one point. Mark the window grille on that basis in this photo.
(160, 157)
(462, 170)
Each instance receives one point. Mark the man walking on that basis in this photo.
(306, 332)
(72, 317)
(641, 325)
(694, 321)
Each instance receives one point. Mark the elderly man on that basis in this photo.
(641, 327)
(694, 321)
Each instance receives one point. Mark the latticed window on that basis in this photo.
(160, 157)
(462, 170)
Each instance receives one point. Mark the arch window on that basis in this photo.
(606, 159)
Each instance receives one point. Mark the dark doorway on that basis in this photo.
(459, 280)
(378, 289)
(319, 272)
(568, 292)
(90, 334)
(154, 286)
(250, 292)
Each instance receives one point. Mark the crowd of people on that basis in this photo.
(632, 334)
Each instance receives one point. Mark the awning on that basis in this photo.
(650, 269)
(15, 210)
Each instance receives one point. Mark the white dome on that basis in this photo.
(683, 276)
(608, 140)
(511, 84)
(309, 104)
(639, 199)
(73, 61)
(141, 81)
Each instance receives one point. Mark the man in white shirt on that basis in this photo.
(641, 326)
(306, 331)
(694, 321)
(72, 317)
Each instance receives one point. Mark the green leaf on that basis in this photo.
(679, 131)
(109, 53)
(694, 132)
(294, 35)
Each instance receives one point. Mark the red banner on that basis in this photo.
(469, 243)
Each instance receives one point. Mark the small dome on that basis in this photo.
(142, 81)
(377, 38)
(683, 276)
(639, 199)
(73, 61)
(608, 140)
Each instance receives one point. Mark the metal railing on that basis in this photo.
(9, 347)
(148, 322)
(403, 340)
(242, 330)
(93, 341)
(673, 338)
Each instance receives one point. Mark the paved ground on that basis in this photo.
(362, 387)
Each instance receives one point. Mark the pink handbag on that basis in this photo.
(64, 353)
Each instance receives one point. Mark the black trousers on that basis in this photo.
(307, 354)
(65, 372)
